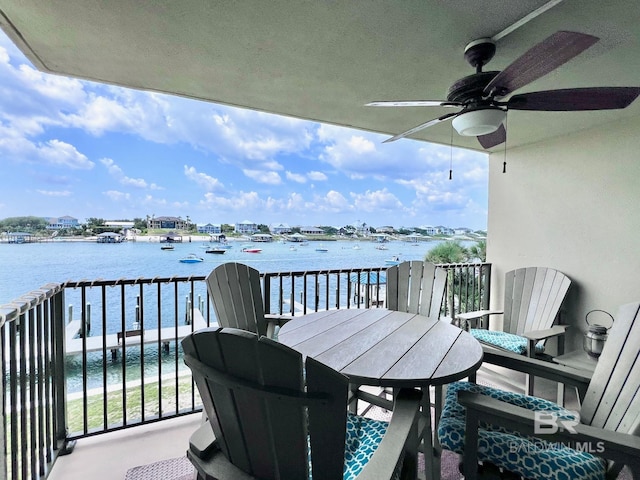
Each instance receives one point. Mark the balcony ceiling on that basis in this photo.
(323, 60)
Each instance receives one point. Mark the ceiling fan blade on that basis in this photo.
(539, 60)
(416, 103)
(493, 139)
(575, 99)
(420, 127)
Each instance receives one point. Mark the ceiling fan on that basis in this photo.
(478, 96)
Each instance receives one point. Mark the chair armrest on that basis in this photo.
(538, 335)
(477, 314)
(619, 447)
(539, 368)
(202, 442)
(401, 436)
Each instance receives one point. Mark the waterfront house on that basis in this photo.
(168, 223)
(563, 189)
(280, 228)
(311, 231)
(246, 227)
(58, 223)
(210, 228)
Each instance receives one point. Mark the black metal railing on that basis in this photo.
(88, 357)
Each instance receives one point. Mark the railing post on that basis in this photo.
(60, 375)
(88, 318)
(266, 294)
(187, 313)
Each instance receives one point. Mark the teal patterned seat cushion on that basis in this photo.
(524, 455)
(362, 440)
(363, 437)
(505, 341)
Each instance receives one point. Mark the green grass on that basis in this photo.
(113, 405)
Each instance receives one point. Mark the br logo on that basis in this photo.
(551, 422)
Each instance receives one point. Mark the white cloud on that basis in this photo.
(55, 193)
(296, 177)
(377, 201)
(56, 152)
(117, 196)
(317, 176)
(116, 172)
(260, 176)
(205, 181)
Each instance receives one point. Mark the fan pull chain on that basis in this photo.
(451, 155)
(504, 163)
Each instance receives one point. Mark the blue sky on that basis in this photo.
(70, 147)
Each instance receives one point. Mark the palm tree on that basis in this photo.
(447, 252)
(478, 251)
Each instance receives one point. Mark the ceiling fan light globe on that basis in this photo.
(479, 122)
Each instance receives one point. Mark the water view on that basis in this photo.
(27, 267)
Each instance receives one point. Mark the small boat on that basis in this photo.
(393, 261)
(382, 247)
(293, 249)
(322, 249)
(251, 250)
(219, 251)
(167, 247)
(192, 258)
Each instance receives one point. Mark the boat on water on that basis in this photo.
(191, 258)
(381, 247)
(393, 261)
(251, 249)
(167, 247)
(219, 251)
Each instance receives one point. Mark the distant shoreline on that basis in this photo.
(191, 238)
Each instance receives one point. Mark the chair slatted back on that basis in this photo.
(416, 287)
(613, 398)
(532, 299)
(253, 394)
(236, 293)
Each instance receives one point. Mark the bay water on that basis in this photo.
(27, 267)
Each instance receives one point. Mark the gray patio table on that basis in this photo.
(385, 348)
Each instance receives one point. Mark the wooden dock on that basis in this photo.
(131, 338)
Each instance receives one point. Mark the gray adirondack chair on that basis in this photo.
(236, 294)
(416, 287)
(532, 300)
(277, 416)
(607, 426)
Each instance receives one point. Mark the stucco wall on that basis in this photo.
(572, 204)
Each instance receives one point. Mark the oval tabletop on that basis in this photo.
(385, 348)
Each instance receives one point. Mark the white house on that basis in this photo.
(246, 227)
(210, 228)
(58, 223)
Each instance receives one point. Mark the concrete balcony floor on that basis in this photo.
(109, 456)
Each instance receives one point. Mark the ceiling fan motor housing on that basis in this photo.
(470, 87)
(479, 52)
